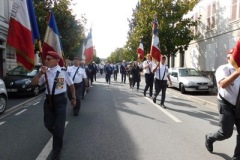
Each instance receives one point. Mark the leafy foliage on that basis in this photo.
(174, 29)
(70, 29)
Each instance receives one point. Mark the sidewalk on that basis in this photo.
(209, 100)
(201, 98)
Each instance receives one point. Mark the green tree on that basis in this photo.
(174, 30)
(70, 29)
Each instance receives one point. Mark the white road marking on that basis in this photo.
(47, 149)
(20, 112)
(36, 103)
(164, 111)
(1, 123)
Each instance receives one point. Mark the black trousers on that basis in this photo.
(160, 85)
(115, 72)
(149, 83)
(91, 78)
(95, 76)
(54, 119)
(78, 90)
(136, 82)
(226, 122)
(123, 77)
(108, 78)
(130, 79)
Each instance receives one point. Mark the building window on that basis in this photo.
(235, 12)
(211, 16)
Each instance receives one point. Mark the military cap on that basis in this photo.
(53, 54)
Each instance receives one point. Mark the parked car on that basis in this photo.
(3, 97)
(189, 79)
(18, 81)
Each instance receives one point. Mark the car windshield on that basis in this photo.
(188, 72)
(20, 71)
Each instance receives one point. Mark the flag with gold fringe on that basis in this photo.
(22, 32)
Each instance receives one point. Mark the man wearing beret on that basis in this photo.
(228, 83)
(56, 99)
(79, 77)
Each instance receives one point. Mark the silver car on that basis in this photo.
(3, 97)
(189, 79)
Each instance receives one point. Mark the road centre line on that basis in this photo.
(20, 112)
(1, 123)
(47, 149)
(164, 111)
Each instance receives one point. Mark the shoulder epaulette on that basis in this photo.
(64, 69)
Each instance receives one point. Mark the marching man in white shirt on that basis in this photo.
(161, 76)
(78, 75)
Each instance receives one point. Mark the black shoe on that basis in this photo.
(75, 114)
(162, 105)
(56, 156)
(144, 93)
(208, 144)
(154, 99)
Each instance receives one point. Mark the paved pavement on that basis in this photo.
(209, 100)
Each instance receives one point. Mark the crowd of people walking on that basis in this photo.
(73, 82)
(156, 75)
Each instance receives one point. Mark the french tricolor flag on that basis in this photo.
(89, 51)
(235, 58)
(22, 32)
(140, 51)
(155, 51)
(52, 39)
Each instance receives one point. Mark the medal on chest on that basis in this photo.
(60, 82)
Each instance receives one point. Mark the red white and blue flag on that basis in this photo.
(22, 32)
(235, 58)
(140, 51)
(52, 39)
(155, 51)
(89, 51)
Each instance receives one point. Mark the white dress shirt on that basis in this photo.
(229, 93)
(148, 69)
(162, 70)
(80, 75)
(62, 80)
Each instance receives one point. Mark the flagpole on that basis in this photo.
(49, 4)
(46, 78)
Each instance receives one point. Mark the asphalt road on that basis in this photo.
(118, 123)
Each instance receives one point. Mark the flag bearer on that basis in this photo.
(56, 101)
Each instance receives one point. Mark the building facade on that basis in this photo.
(3, 35)
(7, 55)
(219, 31)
